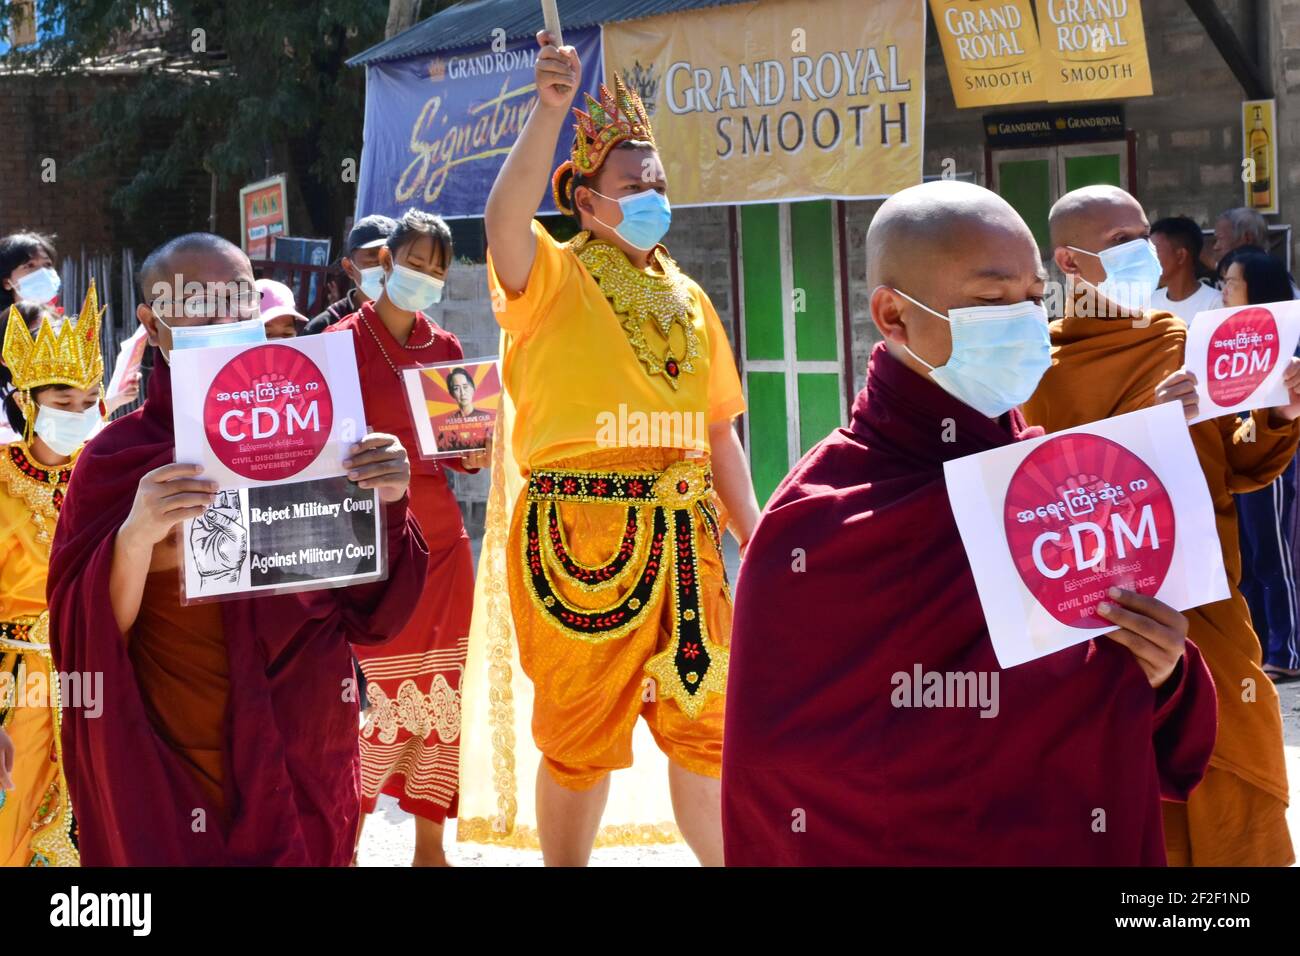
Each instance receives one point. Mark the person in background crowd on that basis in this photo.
(1112, 355)
(27, 271)
(27, 274)
(410, 743)
(1268, 516)
(1239, 227)
(1178, 243)
(224, 738)
(54, 406)
(337, 283)
(361, 263)
(280, 311)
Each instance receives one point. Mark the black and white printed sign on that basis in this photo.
(296, 536)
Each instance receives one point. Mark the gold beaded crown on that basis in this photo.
(613, 119)
(70, 357)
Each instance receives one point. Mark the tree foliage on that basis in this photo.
(238, 88)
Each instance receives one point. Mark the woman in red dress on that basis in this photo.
(410, 742)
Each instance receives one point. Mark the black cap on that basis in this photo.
(369, 232)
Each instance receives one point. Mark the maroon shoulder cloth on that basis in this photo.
(291, 769)
(854, 586)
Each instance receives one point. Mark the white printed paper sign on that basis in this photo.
(1239, 356)
(295, 536)
(1050, 524)
(268, 413)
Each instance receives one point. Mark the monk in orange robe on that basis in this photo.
(1110, 357)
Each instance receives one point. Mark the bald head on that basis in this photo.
(165, 262)
(941, 222)
(195, 279)
(945, 245)
(1080, 217)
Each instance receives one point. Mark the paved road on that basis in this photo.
(390, 836)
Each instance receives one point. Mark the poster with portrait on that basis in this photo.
(454, 405)
(1051, 524)
(272, 423)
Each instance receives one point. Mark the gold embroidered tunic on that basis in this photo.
(35, 818)
(604, 354)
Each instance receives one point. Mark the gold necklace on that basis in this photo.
(38, 486)
(638, 297)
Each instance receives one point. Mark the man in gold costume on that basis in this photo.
(54, 402)
(616, 578)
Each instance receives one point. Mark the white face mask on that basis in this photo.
(999, 354)
(65, 432)
(246, 332)
(40, 286)
(412, 291)
(1132, 273)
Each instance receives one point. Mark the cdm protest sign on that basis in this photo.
(780, 99)
(1239, 356)
(1011, 51)
(272, 425)
(1051, 524)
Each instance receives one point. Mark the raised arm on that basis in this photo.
(526, 174)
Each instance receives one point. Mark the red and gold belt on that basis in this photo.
(658, 544)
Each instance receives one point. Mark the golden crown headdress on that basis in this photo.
(613, 119)
(70, 357)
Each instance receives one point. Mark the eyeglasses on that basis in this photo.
(216, 305)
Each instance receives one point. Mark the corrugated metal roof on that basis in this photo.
(471, 23)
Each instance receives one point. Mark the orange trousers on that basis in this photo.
(589, 693)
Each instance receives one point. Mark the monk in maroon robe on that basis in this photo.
(856, 583)
(229, 730)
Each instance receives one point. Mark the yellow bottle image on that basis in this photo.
(1261, 192)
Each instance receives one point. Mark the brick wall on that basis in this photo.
(36, 119)
(43, 117)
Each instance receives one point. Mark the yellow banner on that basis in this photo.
(1259, 164)
(991, 49)
(780, 99)
(1093, 49)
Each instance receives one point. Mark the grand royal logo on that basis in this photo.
(645, 81)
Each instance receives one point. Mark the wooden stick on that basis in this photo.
(551, 14)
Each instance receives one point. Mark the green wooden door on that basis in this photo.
(1097, 169)
(1032, 179)
(790, 305)
(1027, 185)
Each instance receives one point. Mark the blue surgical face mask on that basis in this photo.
(65, 431)
(39, 286)
(646, 218)
(372, 282)
(999, 353)
(412, 291)
(247, 332)
(1132, 273)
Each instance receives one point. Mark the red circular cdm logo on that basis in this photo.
(1243, 350)
(1084, 514)
(268, 413)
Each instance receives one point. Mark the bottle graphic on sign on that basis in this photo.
(1258, 147)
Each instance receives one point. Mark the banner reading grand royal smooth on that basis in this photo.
(780, 99)
(991, 50)
(1093, 49)
(439, 127)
